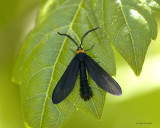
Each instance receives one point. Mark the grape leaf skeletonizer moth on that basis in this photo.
(82, 63)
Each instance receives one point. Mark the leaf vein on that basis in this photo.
(130, 36)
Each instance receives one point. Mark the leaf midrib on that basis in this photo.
(130, 36)
(44, 105)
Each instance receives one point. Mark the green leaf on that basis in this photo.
(128, 25)
(47, 8)
(45, 56)
(153, 4)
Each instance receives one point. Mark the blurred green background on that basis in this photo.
(139, 103)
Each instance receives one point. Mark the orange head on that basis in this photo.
(80, 50)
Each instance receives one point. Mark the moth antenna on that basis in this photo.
(69, 38)
(86, 35)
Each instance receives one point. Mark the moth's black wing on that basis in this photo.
(101, 77)
(66, 84)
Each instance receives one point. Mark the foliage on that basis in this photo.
(127, 25)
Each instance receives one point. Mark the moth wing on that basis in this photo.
(66, 83)
(101, 77)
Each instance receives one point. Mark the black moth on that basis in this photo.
(80, 64)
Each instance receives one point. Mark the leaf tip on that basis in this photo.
(137, 72)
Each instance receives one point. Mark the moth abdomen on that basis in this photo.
(85, 92)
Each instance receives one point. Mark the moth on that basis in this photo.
(81, 64)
